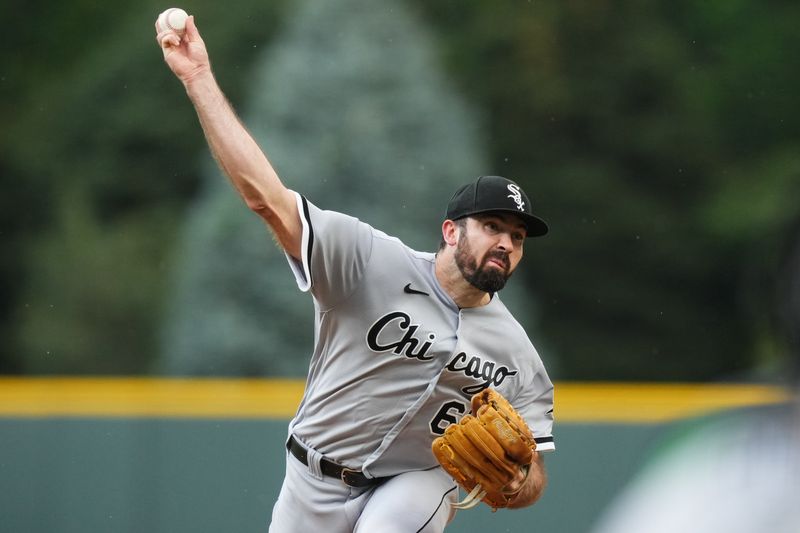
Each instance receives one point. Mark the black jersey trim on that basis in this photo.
(542, 440)
(428, 521)
(310, 245)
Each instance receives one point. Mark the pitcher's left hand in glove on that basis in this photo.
(485, 451)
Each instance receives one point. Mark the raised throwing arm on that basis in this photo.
(234, 149)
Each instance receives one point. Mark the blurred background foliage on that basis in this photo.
(659, 139)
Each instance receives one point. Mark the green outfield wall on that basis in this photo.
(74, 462)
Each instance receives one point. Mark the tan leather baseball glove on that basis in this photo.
(485, 450)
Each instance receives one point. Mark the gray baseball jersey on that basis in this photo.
(395, 360)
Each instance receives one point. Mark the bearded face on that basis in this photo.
(481, 276)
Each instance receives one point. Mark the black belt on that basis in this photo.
(350, 477)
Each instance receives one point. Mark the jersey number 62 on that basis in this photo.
(449, 413)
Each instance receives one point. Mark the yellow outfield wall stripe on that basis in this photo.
(278, 398)
(145, 397)
(655, 402)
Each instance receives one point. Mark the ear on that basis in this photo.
(450, 232)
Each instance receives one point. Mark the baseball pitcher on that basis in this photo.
(421, 381)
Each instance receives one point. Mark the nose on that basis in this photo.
(505, 242)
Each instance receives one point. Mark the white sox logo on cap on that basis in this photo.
(516, 195)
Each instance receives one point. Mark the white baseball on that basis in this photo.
(173, 19)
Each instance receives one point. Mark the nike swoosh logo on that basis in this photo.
(408, 290)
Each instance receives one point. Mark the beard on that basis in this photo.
(479, 276)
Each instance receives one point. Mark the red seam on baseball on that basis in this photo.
(166, 18)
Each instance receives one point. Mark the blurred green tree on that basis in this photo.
(632, 120)
(659, 139)
(101, 165)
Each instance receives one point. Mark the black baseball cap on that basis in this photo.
(495, 193)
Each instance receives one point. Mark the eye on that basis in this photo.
(518, 237)
(491, 227)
